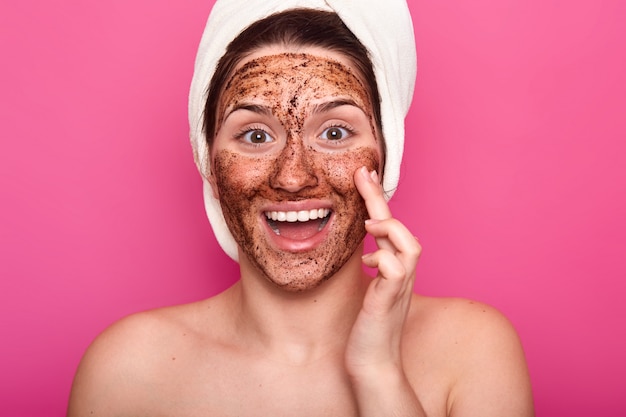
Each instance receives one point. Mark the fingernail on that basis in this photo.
(364, 173)
(372, 221)
(374, 176)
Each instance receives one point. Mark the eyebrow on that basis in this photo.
(329, 105)
(318, 108)
(255, 108)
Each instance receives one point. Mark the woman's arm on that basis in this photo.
(489, 376)
(373, 355)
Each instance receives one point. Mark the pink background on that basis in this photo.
(514, 181)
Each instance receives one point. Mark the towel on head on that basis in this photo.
(384, 27)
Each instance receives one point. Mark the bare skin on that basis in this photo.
(316, 342)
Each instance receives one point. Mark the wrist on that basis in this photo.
(377, 376)
(385, 391)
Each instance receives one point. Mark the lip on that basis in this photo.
(289, 245)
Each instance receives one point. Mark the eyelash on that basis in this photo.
(243, 132)
(344, 126)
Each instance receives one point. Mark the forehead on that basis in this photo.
(266, 74)
(294, 52)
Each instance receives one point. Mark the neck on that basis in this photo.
(303, 326)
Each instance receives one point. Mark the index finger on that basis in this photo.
(369, 187)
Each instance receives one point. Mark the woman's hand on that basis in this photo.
(373, 354)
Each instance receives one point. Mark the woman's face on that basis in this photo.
(293, 127)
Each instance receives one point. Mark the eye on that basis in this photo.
(256, 136)
(335, 133)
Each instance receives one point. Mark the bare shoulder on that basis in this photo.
(117, 374)
(460, 318)
(477, 352)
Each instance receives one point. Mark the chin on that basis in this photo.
(301, 284)
(305, 271)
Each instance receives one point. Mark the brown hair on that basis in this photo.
(297, 27)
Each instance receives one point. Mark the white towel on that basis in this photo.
(383, 26)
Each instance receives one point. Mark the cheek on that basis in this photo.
(236, 175)
(238, 180)
(340, 168)
(353, 214)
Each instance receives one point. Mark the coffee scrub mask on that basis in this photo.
(293, 129)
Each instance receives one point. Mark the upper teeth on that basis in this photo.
(297, 216)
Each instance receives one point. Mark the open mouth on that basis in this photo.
(298, 225)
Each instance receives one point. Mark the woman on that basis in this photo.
(290, 137)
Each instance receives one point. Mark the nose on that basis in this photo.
(294, 169)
